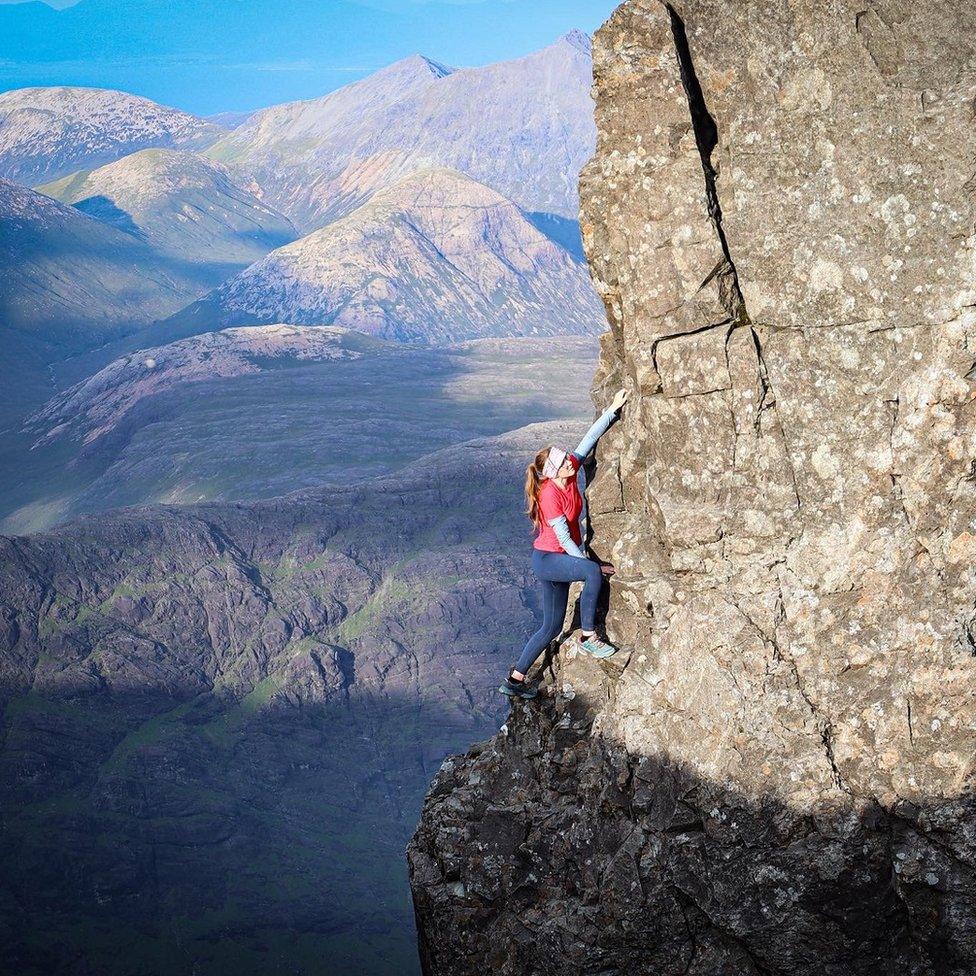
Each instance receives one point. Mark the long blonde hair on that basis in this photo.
(533, 482)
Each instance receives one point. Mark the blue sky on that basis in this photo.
(209, 56)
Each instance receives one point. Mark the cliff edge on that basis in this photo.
(780, 220)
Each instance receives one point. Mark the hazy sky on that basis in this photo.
(209, 56)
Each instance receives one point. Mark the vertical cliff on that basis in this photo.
(781, 220)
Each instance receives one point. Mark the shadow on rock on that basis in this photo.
(552, 849)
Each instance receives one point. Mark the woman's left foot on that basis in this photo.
(598, 648)
(519, 689)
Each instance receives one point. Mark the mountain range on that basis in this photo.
(436, 257)
(225, 55)
(524, 127)
(217, 720)
(190, 223)
(46, 133)
(65, 272)
(186, 207)
(147, 242)
(217, 723)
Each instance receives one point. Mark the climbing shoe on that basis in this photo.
(598, 648)
(519, 689)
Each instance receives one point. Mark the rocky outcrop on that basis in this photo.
(779, 217)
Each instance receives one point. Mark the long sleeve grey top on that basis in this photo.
(560, 525)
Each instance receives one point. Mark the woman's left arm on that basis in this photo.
(600, 426)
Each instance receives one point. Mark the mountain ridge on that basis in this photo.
(49, 132)
(184, 205)
(436, 257)
(517, 125)
(223, 694)
(57, 257)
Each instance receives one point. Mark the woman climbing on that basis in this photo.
(554, 506)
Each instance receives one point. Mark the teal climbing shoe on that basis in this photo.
(598, 648)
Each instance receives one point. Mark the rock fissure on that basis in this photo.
(822, 720)
(661, 340)
(706, 138)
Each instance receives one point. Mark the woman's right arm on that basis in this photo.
(600, 425)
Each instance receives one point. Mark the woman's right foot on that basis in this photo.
(598, 648)
(519, 689)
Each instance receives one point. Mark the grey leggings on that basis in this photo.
(557, 570)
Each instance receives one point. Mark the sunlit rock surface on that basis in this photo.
(779, 217)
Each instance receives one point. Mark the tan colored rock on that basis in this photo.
(815, 438)
(780, 220)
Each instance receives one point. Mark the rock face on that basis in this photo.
(435, 258)
(779, 217)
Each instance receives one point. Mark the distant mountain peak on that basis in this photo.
(577, 39)
(444, 178)
(524, 127)
(414, 66)
(436, 257)
(49, 132)
(182, 204)
(437, 69)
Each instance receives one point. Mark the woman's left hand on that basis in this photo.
(620, 399)
(607, 569)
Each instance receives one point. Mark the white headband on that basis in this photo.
(554, 462)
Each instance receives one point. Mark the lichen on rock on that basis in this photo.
(779, 218)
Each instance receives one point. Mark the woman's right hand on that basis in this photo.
(620, 399)
(607, 569)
